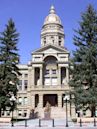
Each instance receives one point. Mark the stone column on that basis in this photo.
(33, 101)
(23, 85)
(29, 105)
(30, 77)
(59, 76)
(40, 100)
(67, 74)
(29, 100)
(41, 76)
(59, 100)
(33, 76)
(73, 111)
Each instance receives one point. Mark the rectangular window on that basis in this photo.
(8, 113)
(20, 76)
(2, 113)
(59, 43)
(59, 37)
(25, 113)
(20, 82)
(26, 75)
(54, 71)
(25, 84)
(20, 101)
(47, 71)
(25, 100)
(20, 85)
(54, 81)
(44, 42)
(47, 81)
(19, 113)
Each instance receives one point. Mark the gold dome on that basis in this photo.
(52, 17)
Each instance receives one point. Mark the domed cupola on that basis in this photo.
(52, 17)
(52, 31)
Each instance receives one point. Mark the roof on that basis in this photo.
(44, 48)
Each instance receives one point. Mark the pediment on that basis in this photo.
(51, 49)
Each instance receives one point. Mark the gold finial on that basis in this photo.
(52, 9)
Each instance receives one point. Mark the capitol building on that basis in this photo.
(45, 78)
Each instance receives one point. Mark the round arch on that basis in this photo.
(46, 56)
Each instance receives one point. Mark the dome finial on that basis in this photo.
(52, 9)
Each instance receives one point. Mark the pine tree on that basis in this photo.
(9, 59)
(84, 62)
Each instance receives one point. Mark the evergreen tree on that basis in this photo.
(84, 71)
(9, 59)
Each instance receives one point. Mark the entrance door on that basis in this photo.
(51, 98)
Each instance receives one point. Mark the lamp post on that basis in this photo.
(66, 99)
(12, 99)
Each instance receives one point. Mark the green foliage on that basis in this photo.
(9, 59)
(84, 62)
(74, 120)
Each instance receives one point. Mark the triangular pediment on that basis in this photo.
(51, 49)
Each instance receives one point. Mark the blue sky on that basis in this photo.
(29, 16)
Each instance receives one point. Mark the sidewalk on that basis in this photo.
(58, 124)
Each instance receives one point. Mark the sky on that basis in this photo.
(29, 16)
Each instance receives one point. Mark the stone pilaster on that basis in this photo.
(29, 77)
(59, 100)
(30, 103)
(33, 76)
(67, 74)
(73, 112)
(41, 101)
(59, 76)
(41, 76)
(29, 99)
(33, 101)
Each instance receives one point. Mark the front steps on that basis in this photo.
(56, 112)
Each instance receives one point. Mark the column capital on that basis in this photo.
(32, 94)
(41, 100)
(59, 100)
(41, 67)
(59, 75)
(33, 67)
(59, 94)
(59, 66)
(40, 94)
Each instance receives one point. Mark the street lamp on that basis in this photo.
(66, 99)
(12, 99)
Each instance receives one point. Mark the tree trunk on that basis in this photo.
(93, 111)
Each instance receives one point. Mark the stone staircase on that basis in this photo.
(56, 112)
